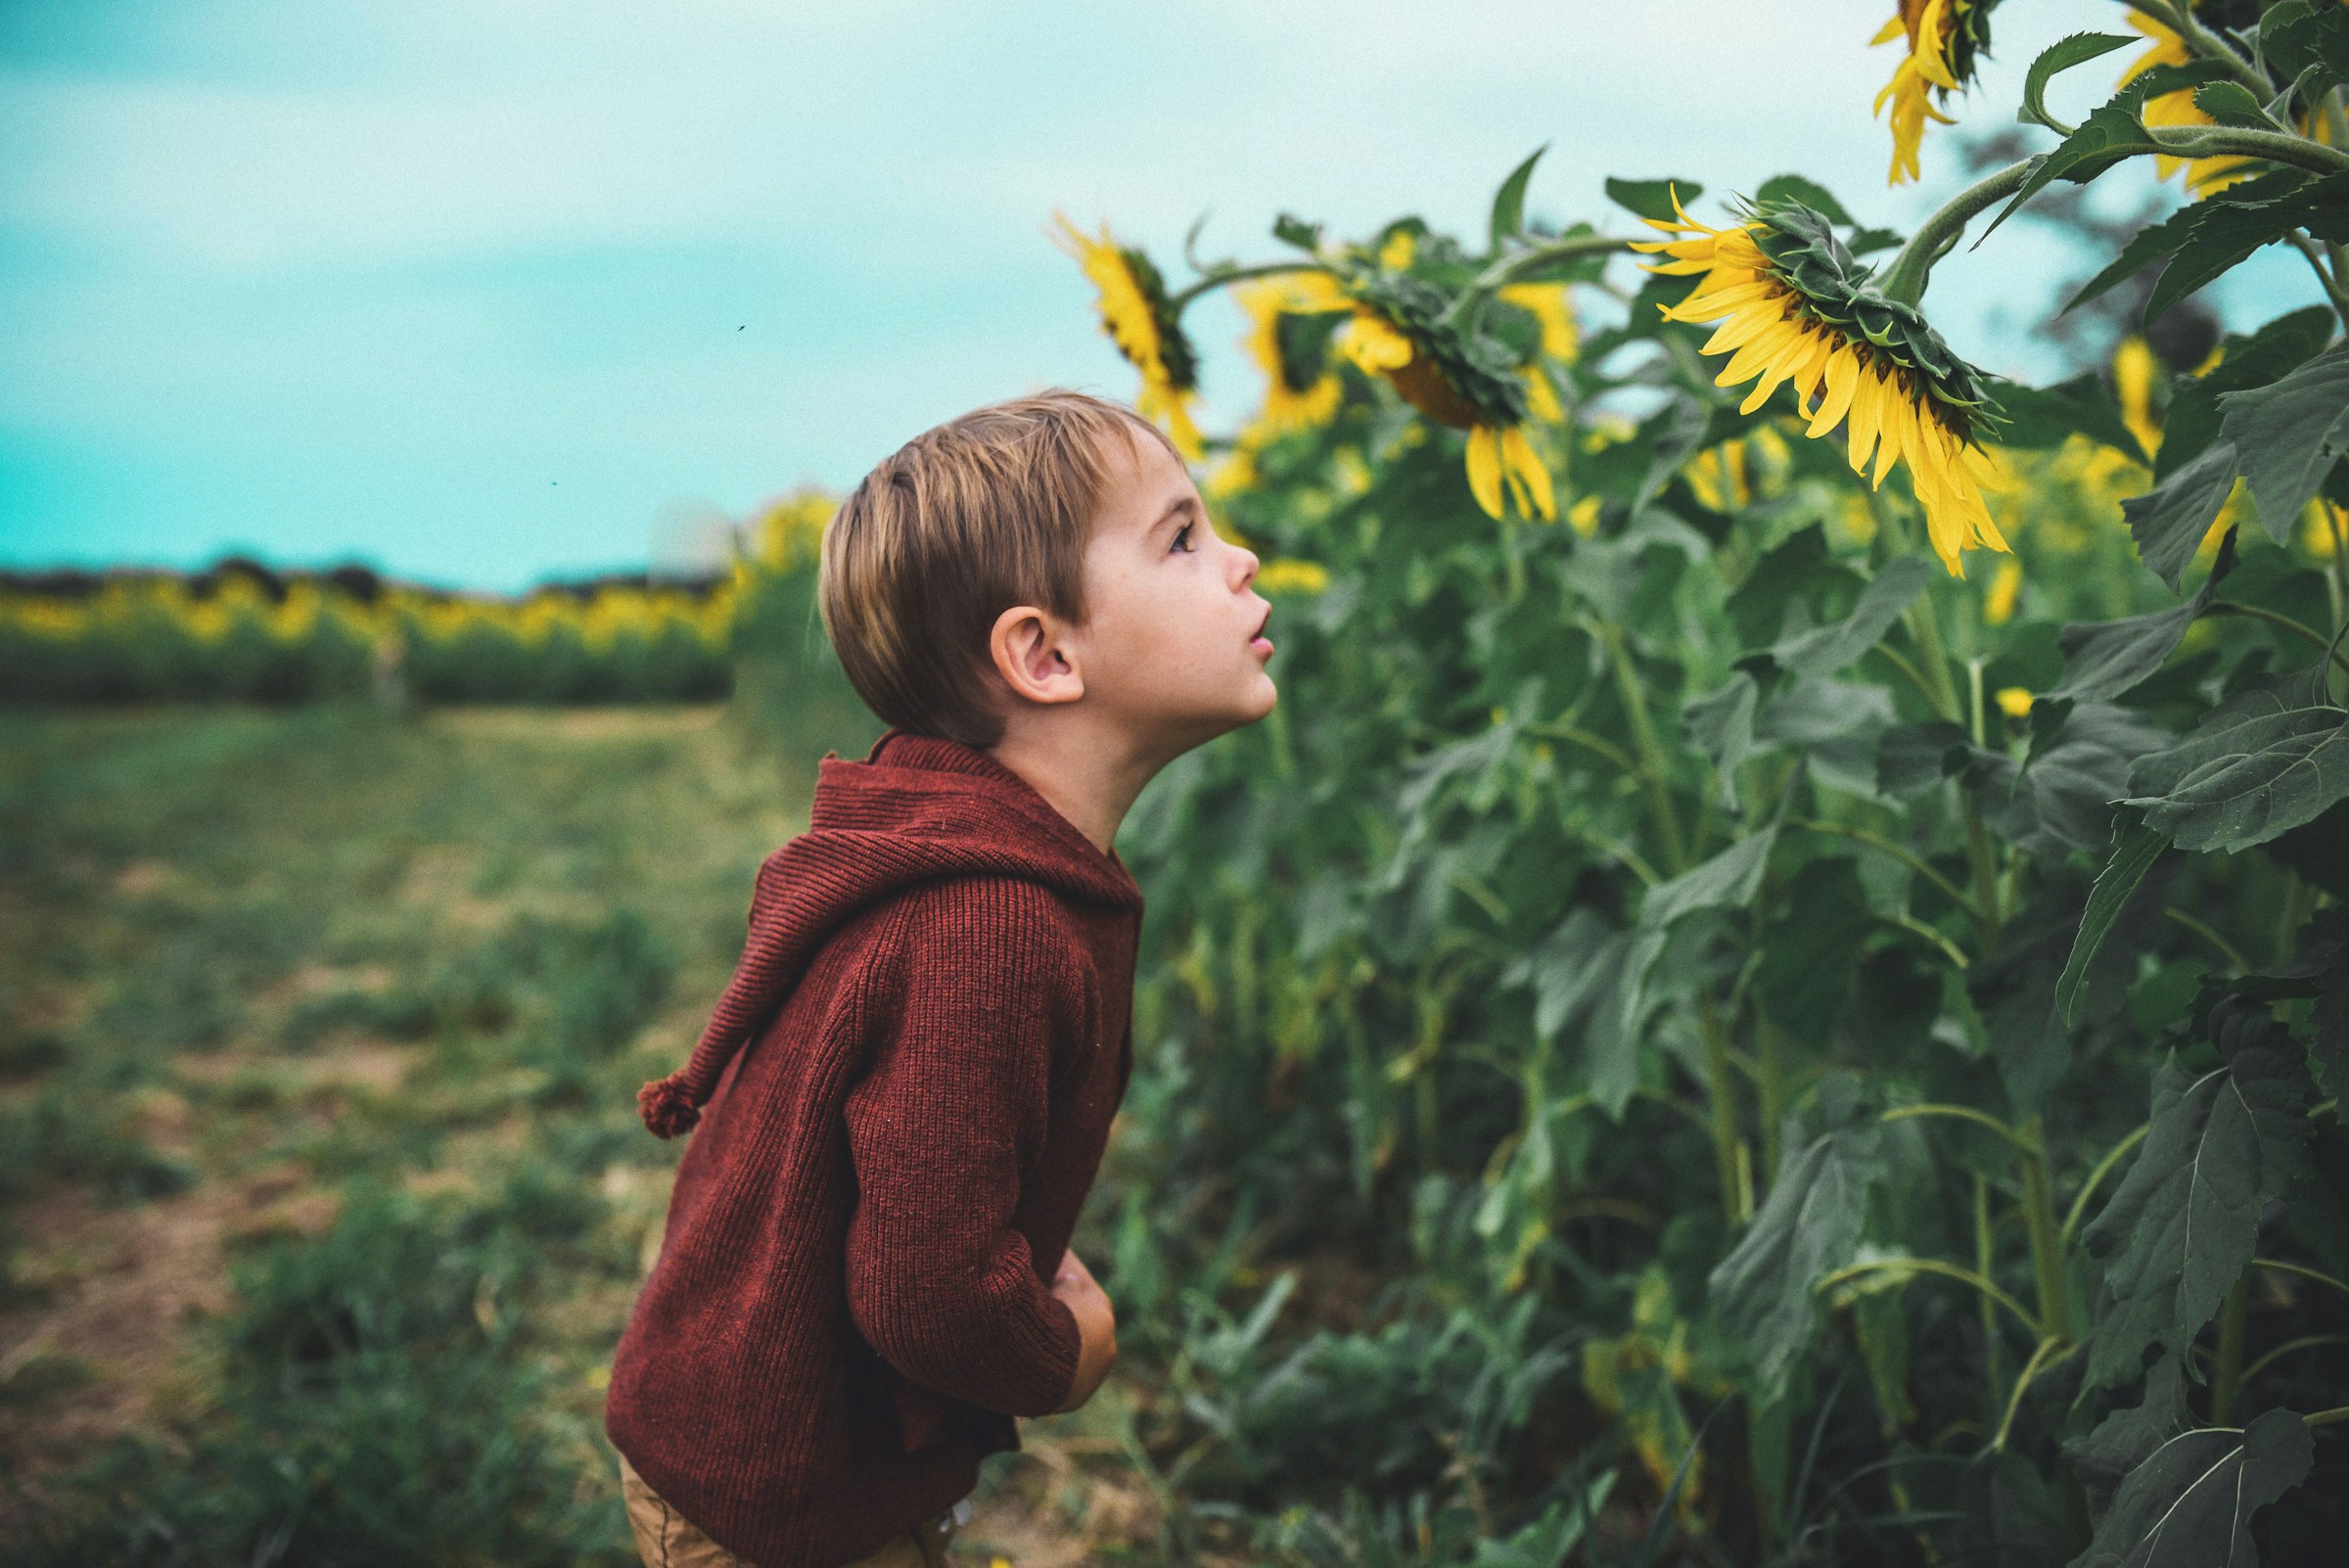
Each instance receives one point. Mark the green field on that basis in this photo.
(325, 1190)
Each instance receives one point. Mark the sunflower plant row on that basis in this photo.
(1838, 983)
(252, 636)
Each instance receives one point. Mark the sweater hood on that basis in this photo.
(917, 809)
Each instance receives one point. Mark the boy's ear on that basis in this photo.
(1031, 655)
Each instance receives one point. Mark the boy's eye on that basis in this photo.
(1182, 535)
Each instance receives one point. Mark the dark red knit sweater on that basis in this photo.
(908, 1085)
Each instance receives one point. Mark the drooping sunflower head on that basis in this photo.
(1945, 39)
(1400, 330)
(1795, 307)
(1140, 317)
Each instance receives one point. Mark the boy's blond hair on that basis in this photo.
(983, 512)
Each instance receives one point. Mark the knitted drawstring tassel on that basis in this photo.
(667, 1106)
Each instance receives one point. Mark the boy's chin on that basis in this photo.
(1251, 704)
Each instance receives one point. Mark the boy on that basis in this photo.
(904, 1092)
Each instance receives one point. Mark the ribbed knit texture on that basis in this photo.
(903, 1098)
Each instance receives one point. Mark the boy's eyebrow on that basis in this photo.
(1182, 506)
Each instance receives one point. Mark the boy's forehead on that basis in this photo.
(1142, 480)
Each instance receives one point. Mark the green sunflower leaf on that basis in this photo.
(2170, 521)
(2159, 81)
(2296, 38)
(2127, 1438)
(2224, 236)
(1290, 229)
(1508, 203)
(2104, 658)
(2182, 1225)
(2264, 761)
(1568, 971)
(1810, 953)
(2251, 359)
(2110, 134)
(2290, 434)
(2135, 849)
(2146, 247)
(2056, 801)
(2192, 1500)
(1838, 724)
(2230, 103)
(2319, 971)
(1807, 1228)
(2062, 55)
(2208, 237)
(1730, 880)
(1651, 198)
(1824, 650)
(1914, 758)
(1721, 725)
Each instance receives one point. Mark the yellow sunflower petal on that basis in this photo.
(1484, 469)
(1842, 380)
(1526, 468)
(1867, 410)
(1541, 397)
(1374, 343)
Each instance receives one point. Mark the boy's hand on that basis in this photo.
(1097, 1327)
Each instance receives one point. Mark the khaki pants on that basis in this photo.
(666, 1540)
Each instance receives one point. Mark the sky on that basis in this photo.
(487, 291)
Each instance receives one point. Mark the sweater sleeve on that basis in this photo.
(954, 1104)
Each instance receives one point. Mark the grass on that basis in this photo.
(323, 1188)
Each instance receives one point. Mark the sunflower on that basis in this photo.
(1291, 318)
(1398, 330)
(1140, 319)
(1794, 307)
(1945, 39)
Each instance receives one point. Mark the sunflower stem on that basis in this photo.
(2227, 1380)
(1770, 1083)
(2316, 264)
(1721, 1090)
(1904, 281)
(1507, 270)
(2046, 1241)
(2213, 141)
(1650, 752)
(1228, 275)
(2228, 607)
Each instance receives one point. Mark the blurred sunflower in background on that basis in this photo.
(1140, 317)
(2203, 175)
(1946, 38)
(1561, 340)
(1291, 320)
(1794, 307)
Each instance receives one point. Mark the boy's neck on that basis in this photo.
(1091, 778)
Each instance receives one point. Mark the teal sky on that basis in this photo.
(484, 291)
